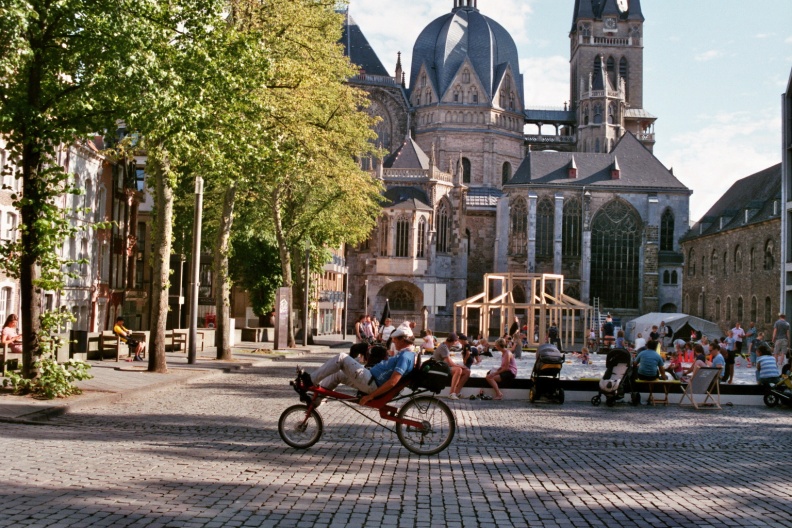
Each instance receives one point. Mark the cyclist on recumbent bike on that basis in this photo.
(372, 382)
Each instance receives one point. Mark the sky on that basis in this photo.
(714, 72)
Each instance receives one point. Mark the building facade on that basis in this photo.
(733, 255)
(786, 193)
(588, 200)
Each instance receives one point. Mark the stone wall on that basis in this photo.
(703, 288)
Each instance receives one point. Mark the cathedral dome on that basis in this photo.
(464, 33)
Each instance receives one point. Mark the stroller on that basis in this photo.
(546, 374)
(616, 380)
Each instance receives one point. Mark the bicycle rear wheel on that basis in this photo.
(437, 432)
(299, 429)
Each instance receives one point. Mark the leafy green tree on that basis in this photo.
(63, 66)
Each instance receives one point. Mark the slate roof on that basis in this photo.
(358, 49)
(410, 198)
(595, 9)
(478, 197)
(639, 169)
(754, 194)
(444, 44)
(408, 156)
(638, 113)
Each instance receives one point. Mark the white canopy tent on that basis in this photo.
(680, 323)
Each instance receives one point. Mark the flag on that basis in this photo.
(385, 313)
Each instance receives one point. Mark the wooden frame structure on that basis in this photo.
(544, 303)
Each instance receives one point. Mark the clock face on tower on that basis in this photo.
(610, 23)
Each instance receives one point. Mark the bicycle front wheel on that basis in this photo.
(437, 429)
(298, 428)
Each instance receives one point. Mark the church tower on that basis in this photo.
(606, 74)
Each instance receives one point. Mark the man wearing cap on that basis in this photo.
(376, 381)
(459, 373)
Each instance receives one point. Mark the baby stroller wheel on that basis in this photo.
(560, 395)
(532, 394)
(610, 402)
(636, 398)
(596, 400)
(770, 399)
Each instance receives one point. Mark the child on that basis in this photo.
(584, 356)
(620, 339)
(676, 365)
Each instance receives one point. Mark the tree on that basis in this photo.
(308, 180)
(63, 66)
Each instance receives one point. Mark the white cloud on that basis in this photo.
(708, 55)
(546, 81)
(723, 149)
(788, 40)
(763, 35)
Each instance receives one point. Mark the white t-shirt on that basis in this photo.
(640, 342)
(738, 334)
(386, 332)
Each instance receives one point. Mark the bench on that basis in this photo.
(256, 334)
(113, 343)
(180, 338)
(7, 352)
(664, 384)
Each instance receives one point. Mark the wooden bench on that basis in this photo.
(180, 338)
(113, 343)
(664, 384)
(7, 352)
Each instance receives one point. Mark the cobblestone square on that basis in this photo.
(206, 453)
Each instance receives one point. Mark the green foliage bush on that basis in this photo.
(55, 380)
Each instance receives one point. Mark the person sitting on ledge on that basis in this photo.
(375, 382)
(649, 363)
(766, 367)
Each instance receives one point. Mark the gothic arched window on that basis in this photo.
(754, 309)
(420, 251)
(473, 95)
(401, 300)
(611, 66)
(615, 251)
(383, 238)
(465, 170)
(666, 277)
(428, 96)
(466, 76)
(752, 260)
(737, 260)
(506, 173)
(692, 263)
(596, 145)
(518, 228)
(725, 263)
(571, 228)
(768, 311)
(544, 228)
(443, 228)
(739, 309)
(674, 278)
(402, 238)
(667, 230)
(717, 309)
(728, 310)
(623, 74)
(714, 263)
(769, 260)
(597, 114)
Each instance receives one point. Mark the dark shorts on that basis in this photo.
(730, 358)
(506, 376)
(132, 343)
(645, 377)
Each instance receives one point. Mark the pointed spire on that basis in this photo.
(634, 11)
(399, 77)
(582, 10)
(572, 170)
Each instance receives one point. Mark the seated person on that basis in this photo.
(675, 366)
(584, 356)
(429, 342)
(716, 357)
(138, 347)
(472, 355)
(459, 373)
(11, 336)
(374, 382)
(766, 367)
(649, 363)
(700, 360)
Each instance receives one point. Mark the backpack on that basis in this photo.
(432, 375)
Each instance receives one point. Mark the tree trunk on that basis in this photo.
(29, 271)
(222, 295)
(285, 258)
(158, 164)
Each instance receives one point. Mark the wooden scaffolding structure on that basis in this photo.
(545, 302)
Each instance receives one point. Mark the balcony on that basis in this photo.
(548, 139)
(401, 266)
(646, 137)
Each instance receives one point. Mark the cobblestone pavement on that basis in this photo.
(207, 453)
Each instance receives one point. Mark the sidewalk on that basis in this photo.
(113, 380)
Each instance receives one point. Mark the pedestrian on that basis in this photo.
(738, 334)
(750, 338)
(459, 373)
(359, 329)
(608, 330)
(553, 337)
(780, 339)
(730, 342)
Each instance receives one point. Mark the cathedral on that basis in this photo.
(477, 182)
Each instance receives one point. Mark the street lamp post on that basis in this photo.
(306, 318)
(195, 271)
(365, 299)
